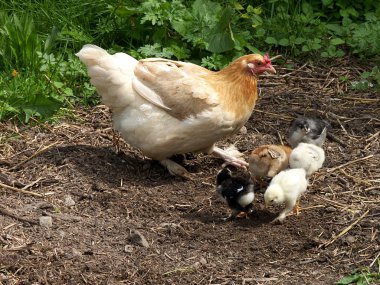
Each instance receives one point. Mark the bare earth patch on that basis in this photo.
(120, 218)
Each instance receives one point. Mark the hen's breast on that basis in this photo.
(159, 135)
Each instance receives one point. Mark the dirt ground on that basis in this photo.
(99, 195)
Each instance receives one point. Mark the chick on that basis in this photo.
(307, 156)
(286, 187)
(268, 160)
(308, 130)
(236, 191)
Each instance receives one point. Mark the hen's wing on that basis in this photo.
(180, 88)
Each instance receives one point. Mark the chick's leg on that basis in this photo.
(229, 159)
(297, 208)
(288, 208)
(232, 216)
(176, 169)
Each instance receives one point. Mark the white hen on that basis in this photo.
(166, 107)
(286, 187)
(307, 156)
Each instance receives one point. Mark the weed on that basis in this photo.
(362, 277)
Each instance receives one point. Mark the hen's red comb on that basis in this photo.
(266, 58)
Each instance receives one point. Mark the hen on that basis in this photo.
(165, 107)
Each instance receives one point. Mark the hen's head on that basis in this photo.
(256, 64)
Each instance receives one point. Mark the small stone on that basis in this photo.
(46, 221)
(76, 252)
(243, 130)
(330, 209)
(197, 264)
(69, 202)
(203, 261)
(374, 192)
(137, 238)
(350, 239)
(128, 248)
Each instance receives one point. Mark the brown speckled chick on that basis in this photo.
(268, 160)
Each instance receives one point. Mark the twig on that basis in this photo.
(6, 212)
(342, 233)
(349, 163)
(332, 202)
(31, 184)
(284, 117)
(290, 73)
(275, 57)
(20, 190)
(184, 269)
(38, 152)
(10, 181)
(308, 208)
(336, 139)
(374, 260)
(263, 279)
(9, 226)
(373, 136)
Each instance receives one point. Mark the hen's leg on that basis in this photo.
(229, 159)
(176, 169)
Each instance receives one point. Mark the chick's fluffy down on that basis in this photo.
(307, 156)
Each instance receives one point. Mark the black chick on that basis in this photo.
(236, 191)
(307, 130)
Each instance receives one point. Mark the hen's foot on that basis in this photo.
(229, 159)
(176, 169)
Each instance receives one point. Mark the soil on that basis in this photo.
(121, 218)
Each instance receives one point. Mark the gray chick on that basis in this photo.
(307, 130)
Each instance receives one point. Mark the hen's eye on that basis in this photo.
(259, 63)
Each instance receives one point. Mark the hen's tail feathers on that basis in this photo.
(110, 74)
(90, 54)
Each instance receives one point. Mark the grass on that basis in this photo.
(362, 276)
(39, 40)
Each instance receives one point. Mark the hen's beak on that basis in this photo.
(271, 69)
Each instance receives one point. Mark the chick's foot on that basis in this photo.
(176, 169)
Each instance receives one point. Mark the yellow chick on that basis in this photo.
(286, 187)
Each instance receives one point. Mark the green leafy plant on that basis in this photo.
(38, 40)
(362, 277)
(369, 79)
